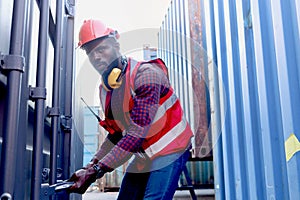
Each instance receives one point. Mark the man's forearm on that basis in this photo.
(109, 142)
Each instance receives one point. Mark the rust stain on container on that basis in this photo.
(201, 147)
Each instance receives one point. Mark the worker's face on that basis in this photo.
(103, 54)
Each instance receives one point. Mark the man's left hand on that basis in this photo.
(83, 178)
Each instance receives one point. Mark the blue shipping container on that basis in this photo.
(254, 94)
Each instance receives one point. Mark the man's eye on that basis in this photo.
(101, 49)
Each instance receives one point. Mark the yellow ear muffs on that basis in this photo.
(113, 78)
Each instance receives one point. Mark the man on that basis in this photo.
(143, 117)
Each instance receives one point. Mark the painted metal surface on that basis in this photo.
(24, 31)
(257, 58)
(180, 48)
(254, 95)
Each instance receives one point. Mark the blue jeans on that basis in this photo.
(161, 183)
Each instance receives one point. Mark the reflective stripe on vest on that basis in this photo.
(166, 139)
(169, 131)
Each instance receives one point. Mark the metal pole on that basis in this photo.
(68, 100)
(55, 97)
(21, 173)
(14, 79)
(39, 98)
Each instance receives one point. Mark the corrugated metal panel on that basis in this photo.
(201, 174)
(257, 59)
(257, 43)
(179, 47)
(254, 94)
(181, 52)
(199, 60)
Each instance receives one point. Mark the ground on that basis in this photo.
(179, 195)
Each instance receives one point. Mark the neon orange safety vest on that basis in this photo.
(169, 132)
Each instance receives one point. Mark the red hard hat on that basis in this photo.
(94, 29)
